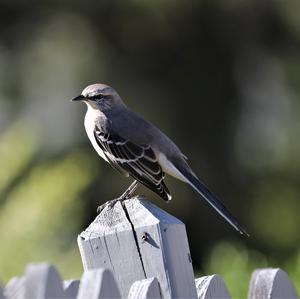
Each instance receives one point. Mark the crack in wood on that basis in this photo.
(135, 237)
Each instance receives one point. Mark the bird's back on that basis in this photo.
(133, 127)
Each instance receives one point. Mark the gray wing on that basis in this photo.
(137, 160)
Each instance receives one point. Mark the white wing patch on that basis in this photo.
(169, 168)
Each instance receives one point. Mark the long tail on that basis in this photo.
(212, 200)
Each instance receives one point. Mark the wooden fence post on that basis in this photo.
(136, 240)
(271, 284)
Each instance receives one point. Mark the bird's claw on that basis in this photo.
(109, 204)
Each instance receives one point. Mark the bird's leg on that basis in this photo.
(124, 196)
(129, 191)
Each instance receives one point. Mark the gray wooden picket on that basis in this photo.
(145, 289)
(15, 289)
(213, 286)
(43, 281)
(98, 283)
(271, 284)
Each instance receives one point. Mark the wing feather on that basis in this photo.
(139, 161)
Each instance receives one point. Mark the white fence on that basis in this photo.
(136, 250)
(42, 281)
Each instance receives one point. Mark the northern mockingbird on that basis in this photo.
(138, 149)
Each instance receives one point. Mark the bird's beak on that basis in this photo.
(78, 98)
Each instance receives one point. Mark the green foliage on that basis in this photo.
(41, 216)
(235, 263)
(17, 147)
(292, 266)
(277, 200)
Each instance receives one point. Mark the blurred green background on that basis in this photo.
(221, 78)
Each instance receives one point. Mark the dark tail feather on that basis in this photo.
(213, 201)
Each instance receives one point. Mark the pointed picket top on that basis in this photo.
(107, 222)
(43, 281)
(97, 284)
(145, 289)
(138, 208)
(270, 284)
(211, 287)
(114, 219)
(15, 288)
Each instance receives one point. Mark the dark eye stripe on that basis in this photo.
(97, 96)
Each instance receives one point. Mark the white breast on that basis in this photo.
(89, 124)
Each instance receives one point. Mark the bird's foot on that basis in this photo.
(111, 203)
(124, 196)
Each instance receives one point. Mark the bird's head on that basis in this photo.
(99, 96)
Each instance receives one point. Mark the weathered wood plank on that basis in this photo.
(109, 243)
(164, 248)
(98, 283)
(210, 287)
(137, 240)
(43, 281)
(271, 284)
(15, 289)
(145, 289)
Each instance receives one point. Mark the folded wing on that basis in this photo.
(139, 161)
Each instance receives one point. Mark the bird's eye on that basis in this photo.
(98, 96)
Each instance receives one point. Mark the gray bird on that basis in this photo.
(136, 148)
